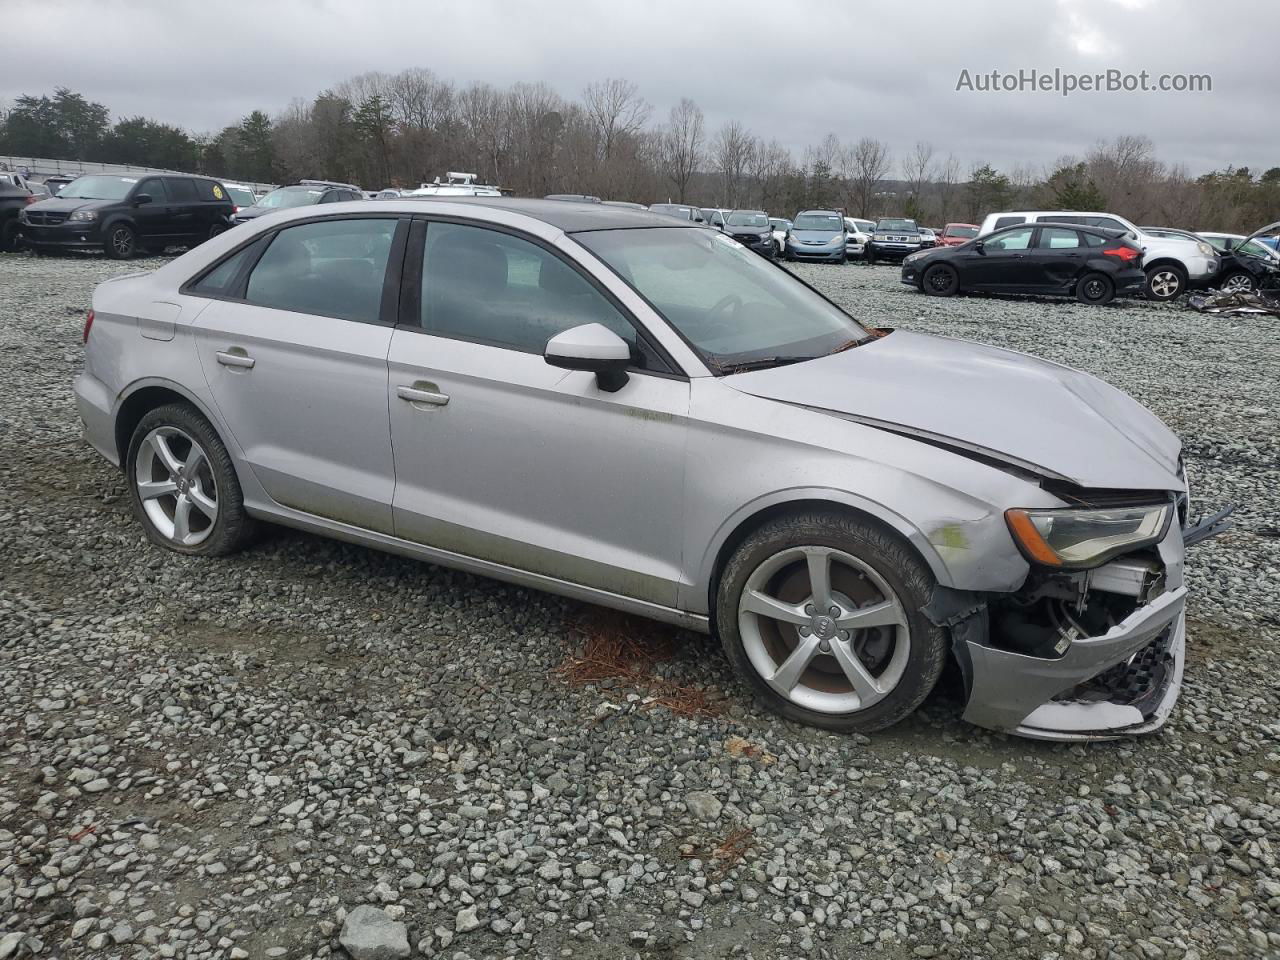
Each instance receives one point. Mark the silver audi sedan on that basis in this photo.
(640, 413)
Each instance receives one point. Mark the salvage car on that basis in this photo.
(13, 200)
(1092, 264)
(304, 193)
(893, 239)
(817, 235)
(1172, 264)
(125, 215)
(751, 229)
(954, 234)
(637, 412)
(1247, 263)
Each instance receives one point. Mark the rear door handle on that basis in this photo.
(421, 394)
(240, 360)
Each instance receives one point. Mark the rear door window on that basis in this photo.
(333, 268)
(1058, 238)
(180, 189)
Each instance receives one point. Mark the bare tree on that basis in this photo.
(947, 178)
(770, 166)
(732, 153)
(616, 110)
(681, 149)
(917, 169)
(867, 165)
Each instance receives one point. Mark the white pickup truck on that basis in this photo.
(1171, 264)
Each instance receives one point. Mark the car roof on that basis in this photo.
(569, 215)
(1111, 233)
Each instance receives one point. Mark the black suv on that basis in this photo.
(300, 194)
(121, 215)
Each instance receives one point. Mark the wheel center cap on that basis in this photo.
(824, 628)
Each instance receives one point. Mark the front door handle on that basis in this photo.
(235, 358)
(422, 393)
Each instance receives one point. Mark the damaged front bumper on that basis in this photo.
(1121, 682)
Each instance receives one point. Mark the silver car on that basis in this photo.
(620, 407)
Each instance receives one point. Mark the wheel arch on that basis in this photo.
(1165, 262)
(144, 396)
(752, 516)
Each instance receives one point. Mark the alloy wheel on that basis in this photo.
(823, 629)
(1165, 283)
(1094, 289)
(176, 486)
(122, 242)
(1240, 283)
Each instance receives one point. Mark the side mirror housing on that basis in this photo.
(141, 198)
(595, 348)
(979, 246)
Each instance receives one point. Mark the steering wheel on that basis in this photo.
(729, 303)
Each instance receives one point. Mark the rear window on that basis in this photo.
(180, 189)
(1010, 221)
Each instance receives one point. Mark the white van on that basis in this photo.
(1172, 264)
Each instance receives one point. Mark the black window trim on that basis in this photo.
(388, 307)
(410, 318)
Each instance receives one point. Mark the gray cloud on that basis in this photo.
(794, 71)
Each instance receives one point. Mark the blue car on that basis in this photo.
(817, 235)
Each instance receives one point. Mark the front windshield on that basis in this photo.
(241, 197)
(1254, 249)
(98, 188)
(291, 197)
(896, 226)
(819, 221)
(967, 232)
(732, 306)
(779, 224)
(742, 218)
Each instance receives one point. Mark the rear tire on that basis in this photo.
(1164, 283)
(814, 666)
(121, 243)
(183, 486)
(940, 280)
(1095, 289)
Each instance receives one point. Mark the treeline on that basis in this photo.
(401, 129)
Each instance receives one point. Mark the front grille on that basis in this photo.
(45, 218)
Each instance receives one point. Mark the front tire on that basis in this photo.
(122, 242)
(940, 280)
(1095, 289)
(183, 485)
(1164, 283)
(1238, 282)
(821, 614)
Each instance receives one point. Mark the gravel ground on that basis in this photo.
(311, 744)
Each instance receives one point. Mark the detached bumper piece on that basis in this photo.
(1062, 698)
(1090, 655)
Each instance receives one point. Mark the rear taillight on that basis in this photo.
(1124, 254)
(88, 325)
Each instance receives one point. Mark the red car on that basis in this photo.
(954, 234)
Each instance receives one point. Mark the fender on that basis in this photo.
(699, 595)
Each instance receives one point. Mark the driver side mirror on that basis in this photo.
(595, 348)
(141, 198)
(980, 246)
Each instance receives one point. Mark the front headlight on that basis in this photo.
(1077, 538)
(84, 215)
(881, 237)
(912, 257)
(1205, 249)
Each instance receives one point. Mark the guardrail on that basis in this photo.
(45, 167)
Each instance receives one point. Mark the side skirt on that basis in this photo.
(310, 523)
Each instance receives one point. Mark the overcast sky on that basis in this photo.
(791, 69)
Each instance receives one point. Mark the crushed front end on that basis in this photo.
(1082, 654)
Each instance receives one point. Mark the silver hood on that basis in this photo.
(1005, 404)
